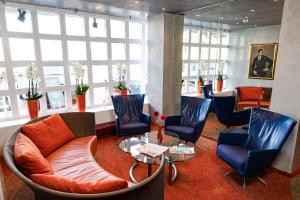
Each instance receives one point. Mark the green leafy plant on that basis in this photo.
(33, 78)
(121, 76)
(121, 86)
(78, 72)
(200, 79)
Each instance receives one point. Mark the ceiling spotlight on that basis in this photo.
(163, 9)
(136, 2)
(22, 13)
(252, 10)
(3, 2)
(246, 17)
(95, 25)
(245, 21)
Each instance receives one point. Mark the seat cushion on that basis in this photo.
(180, 129)
(250, 93)
(265, 104)
(235, 156)
(49, 134)
(137, 127)
(28, 157)
(64, 184)
(75, 161)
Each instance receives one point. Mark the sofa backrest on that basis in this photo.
(252, 93)
(128, 108)
(193, 110)
(268, 130)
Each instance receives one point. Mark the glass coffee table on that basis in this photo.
(131, 145)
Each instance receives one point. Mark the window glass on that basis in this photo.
(135, 31)
(205, 37)
(136, 72)
(100, 95)
(1, 51)
(100, 73)
(214, 53)
(136, 51)
(51, 50)
(204, 68)
(184, 85)
(186, 35)
(115, 74)
(204, 53)
(117, 28)
(75, 25)
(194, 53)
(195, 36)
(99, 50)
(54, 76)
(21, 80)
(118, 51)
(3, 79)
(56, 100)
(100, 31)
(215, 38)
(21, 49)
(5, 106)
(194, 69)
(15, 25)
(22, 104)
(85, 78)
(185, 52)
(224, 53)
(192, 85)
(212, 69)
(77, 50)
(185, 69)
(225, 38)
(49, 23)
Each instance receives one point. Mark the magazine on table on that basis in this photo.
(152, 150)
(182, 150)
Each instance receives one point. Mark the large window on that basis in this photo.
(203, 51)
(53, 39)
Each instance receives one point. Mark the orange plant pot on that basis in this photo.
(80, 101)
(123, 92)
(219, 85)
(33, 108)
(199, 84)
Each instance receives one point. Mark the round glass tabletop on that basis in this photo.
(175, 153)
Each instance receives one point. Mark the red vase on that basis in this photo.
(219, 85)
(199, 84)
(33, 108)
(123, 92)
(80, 101)
(159, 135)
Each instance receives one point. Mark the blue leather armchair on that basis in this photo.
(224, 110)
(189, 125)
(130, 118)
(252, 153)
(207, 91)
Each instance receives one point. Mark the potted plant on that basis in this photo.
(80, 88)
(121, 88)
(32, 95)
(160, 121)
(220, 76)
(199, 84)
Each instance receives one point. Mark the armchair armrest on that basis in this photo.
(237, 139)
(242, 117)
(173, 120)
(146, 118)
(258, 161)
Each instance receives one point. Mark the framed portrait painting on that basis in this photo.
(262, 61)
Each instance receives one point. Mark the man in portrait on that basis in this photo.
(261, 65)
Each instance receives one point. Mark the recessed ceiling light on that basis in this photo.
(236, 18)
(136, 2)
(237, 23)
(246, 17)
(163, 8)
(245, 20)
(275, 0)
(254, 25)
(221, 18)
(198, 15)
(252, 10)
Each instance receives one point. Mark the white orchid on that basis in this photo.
(33, 77)
(78, 71)
(121, 72)
(32, 73)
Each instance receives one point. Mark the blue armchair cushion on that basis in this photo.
(233, 155)
(180, 129)
(138, 127)
(128, 108)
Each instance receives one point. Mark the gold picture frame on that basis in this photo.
(262, 61)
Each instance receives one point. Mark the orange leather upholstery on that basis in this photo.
(74, 164)
(28, 157)
(250, 93)
(48, 134)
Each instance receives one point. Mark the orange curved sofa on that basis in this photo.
(74, 172)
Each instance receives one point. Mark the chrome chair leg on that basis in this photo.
(262, 181)
(227, 174)
(244, 183)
